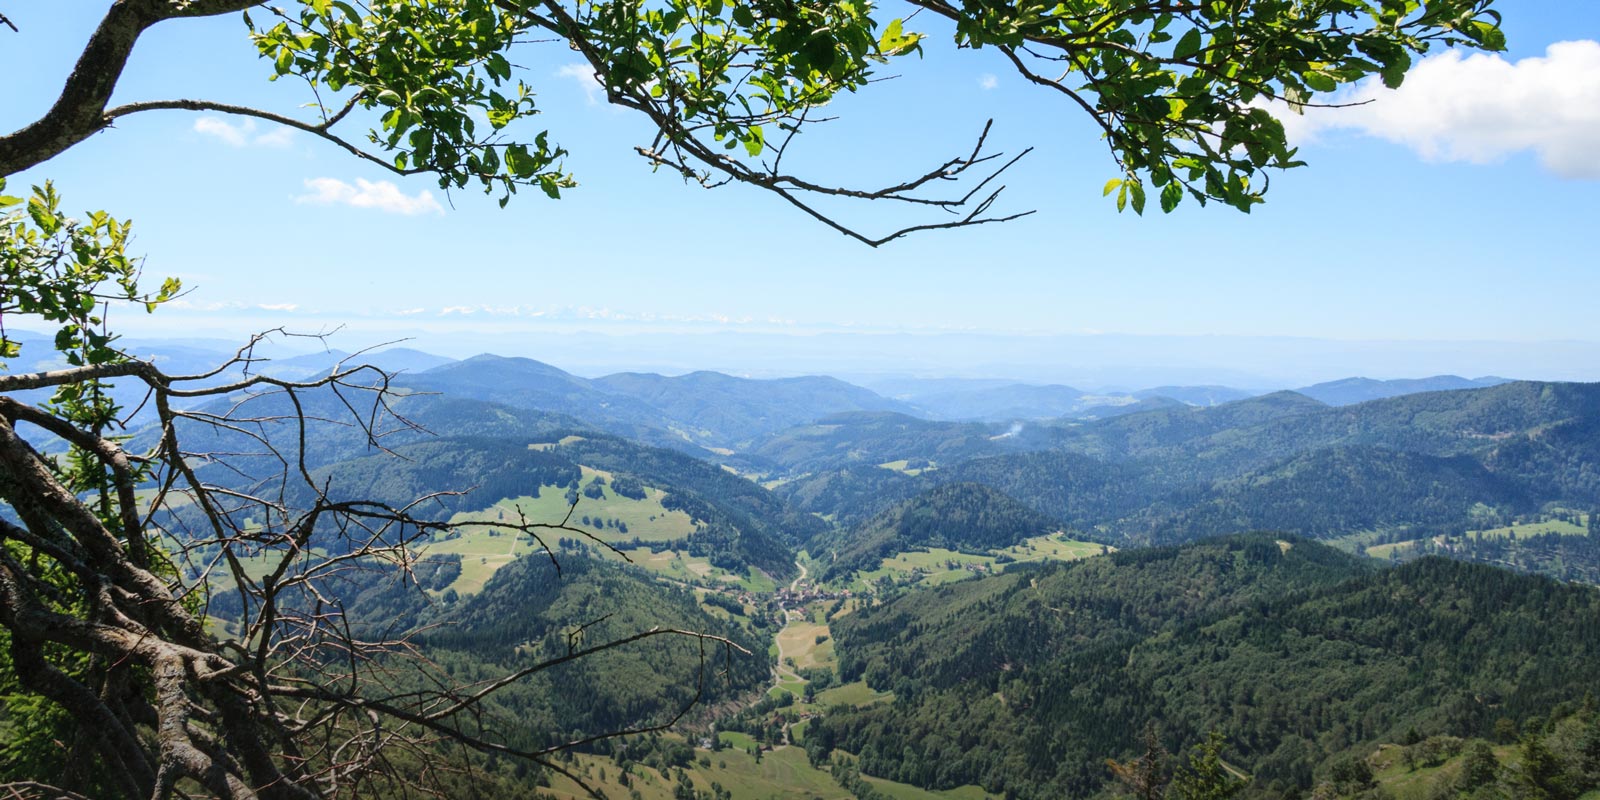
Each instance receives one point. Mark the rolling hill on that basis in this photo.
(960, 516)
(1348, 391)
(1026, 682)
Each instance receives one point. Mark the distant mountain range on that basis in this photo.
(719, 412)
(1349, 391)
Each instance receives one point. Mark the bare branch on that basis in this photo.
(242, 717)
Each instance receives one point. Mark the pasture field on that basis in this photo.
(1534, 529)
(789, 683)
(1520, 530)
(781, 773)
(482, 551)
(852, 694)
(1042, 548)
(646, 520)
(759, 582)
(904, 465)
(938, 565)
(798, 640)
(1403, 783)
(552, 445)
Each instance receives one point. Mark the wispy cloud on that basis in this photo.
(583, 75)
(988, 81)
(381, 195)
(242, 133)
(1480, 109)
(230, 306)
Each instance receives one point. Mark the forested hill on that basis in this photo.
(843, 440)
(1026, 682)
(754, 523)
(960, 516)
(1232, 438)
(528, 612)
(1333, 492)
(735, 522)
(1359, 390)
(705, 409)
(1412, 468)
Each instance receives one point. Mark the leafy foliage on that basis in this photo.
(62, 270)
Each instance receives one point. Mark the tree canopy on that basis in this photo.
(1184, 91)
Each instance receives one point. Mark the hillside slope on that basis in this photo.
(1026, 682)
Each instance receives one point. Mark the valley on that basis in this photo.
(963, 608)
(966, 609)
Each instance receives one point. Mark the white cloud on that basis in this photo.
(285, 307)
(279, 136)
(381, 195)
(583, 75)
(988, 81)
(1480, 109)
(242, 133)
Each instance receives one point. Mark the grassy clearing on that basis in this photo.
(482, 554)
(1053, 548)
(852, 694)
(901, 791)
(484, 550)
(646, 520)
(781, 773)
(938, 565)
(1561, 527)
(220, 580)
(675, 564)
(788, 684)
(759, 582)
(798, 640)
(551, 445)
(1520, 530)
(903, 465)
(1401, 783)
(1388, 550)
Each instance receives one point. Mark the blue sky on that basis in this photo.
(1425, 220)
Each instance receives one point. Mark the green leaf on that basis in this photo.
(1394, 71)
(1111, 186)
(891, 36)
(497, 66)
(754, 142)
(43, 216)
(1320, 81)
(1171, 196)
(1188, 45)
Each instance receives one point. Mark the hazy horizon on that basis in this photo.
(1085, 361)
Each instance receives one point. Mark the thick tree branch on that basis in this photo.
(78, 112)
